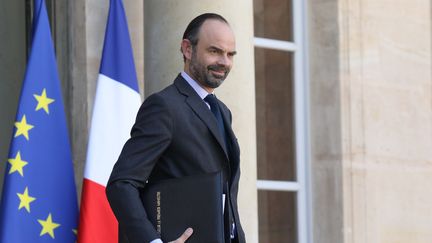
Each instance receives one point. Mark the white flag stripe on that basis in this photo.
(114, 114)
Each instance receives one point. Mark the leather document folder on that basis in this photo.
(173, 205)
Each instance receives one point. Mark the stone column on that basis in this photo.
(165, 22)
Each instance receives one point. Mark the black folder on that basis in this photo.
(173, 205)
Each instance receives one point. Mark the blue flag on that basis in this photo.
(39, 202)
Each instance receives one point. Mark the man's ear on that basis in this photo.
(186, 47)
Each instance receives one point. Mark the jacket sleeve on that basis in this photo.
(150, 137)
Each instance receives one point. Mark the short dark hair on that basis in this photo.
(192, 30)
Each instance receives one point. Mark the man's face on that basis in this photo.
(212, 57)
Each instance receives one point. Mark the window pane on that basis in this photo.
(275, 115)
(277, 217)
(273, 19)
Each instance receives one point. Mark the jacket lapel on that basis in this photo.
(200, 109)
(233, 145)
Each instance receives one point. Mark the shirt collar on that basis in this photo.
(194, 84)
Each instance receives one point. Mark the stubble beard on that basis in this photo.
(203, 75)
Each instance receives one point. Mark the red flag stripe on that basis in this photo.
(97, 222)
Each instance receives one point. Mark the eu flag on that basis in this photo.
(39, 202)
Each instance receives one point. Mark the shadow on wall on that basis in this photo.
(325, 120)
(12, 67)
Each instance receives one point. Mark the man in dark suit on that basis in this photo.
(180, 131)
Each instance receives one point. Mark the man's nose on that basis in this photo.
(224, 60)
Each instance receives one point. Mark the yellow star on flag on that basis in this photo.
(17, 164)
(23, 127)
(25, 200)
(48, 226)
(43, 101)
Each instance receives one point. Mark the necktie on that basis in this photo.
(214, 107)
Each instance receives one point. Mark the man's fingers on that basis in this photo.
(188, 232)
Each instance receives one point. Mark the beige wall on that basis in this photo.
(373, 103)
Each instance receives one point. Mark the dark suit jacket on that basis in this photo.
(175, 135)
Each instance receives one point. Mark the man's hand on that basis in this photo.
(188, 232)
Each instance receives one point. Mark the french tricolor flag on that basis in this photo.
(116, 104)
